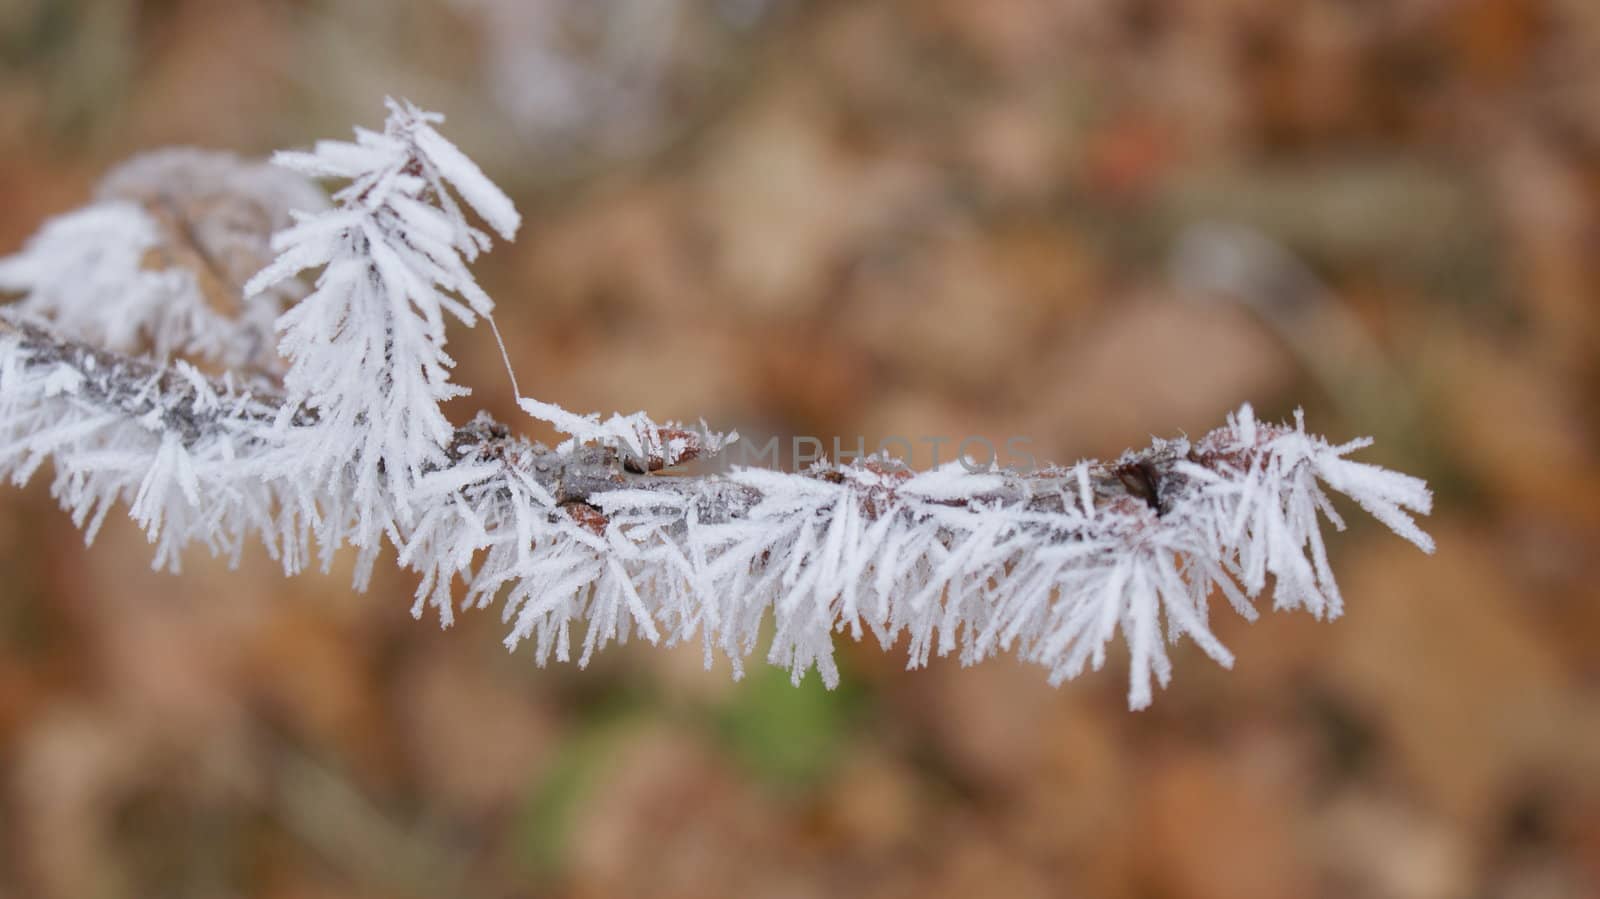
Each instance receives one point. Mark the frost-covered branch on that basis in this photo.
(593, 542)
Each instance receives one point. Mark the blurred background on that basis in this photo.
(1084, 221)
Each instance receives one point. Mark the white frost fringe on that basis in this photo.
(960, 570)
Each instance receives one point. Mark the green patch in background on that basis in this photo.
(786, 736)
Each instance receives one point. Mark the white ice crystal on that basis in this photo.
(587, 543)
(644, 444)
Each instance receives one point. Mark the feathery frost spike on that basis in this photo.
(591, 537)
(366, 347)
